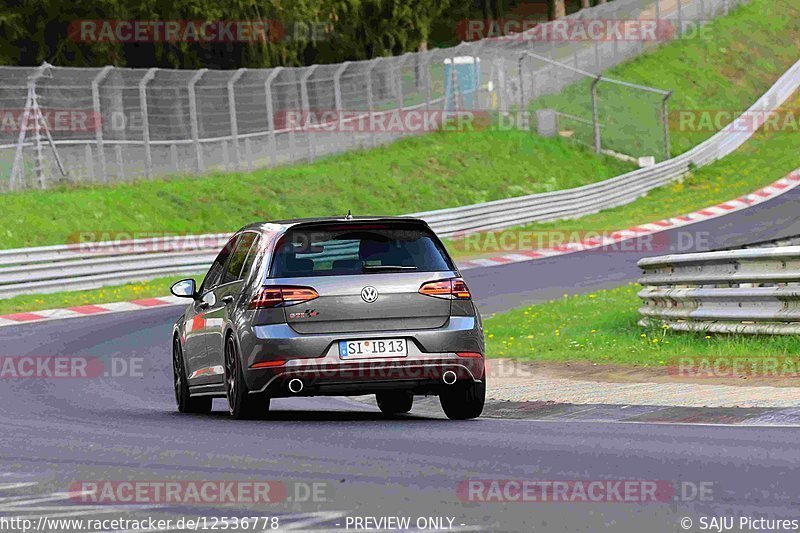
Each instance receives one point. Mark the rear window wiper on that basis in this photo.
(386, 268)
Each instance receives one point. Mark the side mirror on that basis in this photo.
(184, 288)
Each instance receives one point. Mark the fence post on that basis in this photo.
(476, 72)
(665, 118)
(521, 113)
(597, 55)
(680, 17)
(306, 110)
(401, 62)
(198, 150)
(148, 156)
(370, 102)
(337, 94)
(98, 122)
(232, 112)
(87, 153)
(120, 161)
(595, 115)
(173, 154)
(500, 91)
(273, 141)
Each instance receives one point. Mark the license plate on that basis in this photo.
(368, 348)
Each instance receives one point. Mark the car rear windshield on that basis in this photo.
(352, 249)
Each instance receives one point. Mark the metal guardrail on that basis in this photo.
(90, 265)
(753, 291)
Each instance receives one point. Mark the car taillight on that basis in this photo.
(276, 296)
(451, 289)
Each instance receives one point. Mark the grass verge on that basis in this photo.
(723, 67)
(118, 293)
(416, 174)
(433, 171)
(601, 327)
(765, 158)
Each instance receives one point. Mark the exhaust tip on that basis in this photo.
(449, 377)
(295, 385)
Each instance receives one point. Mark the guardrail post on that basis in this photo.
(98, 121)
(232, 112)
(595, 115)
(665, 119)
(198, 150)
(306, 110)
(370, 103)
(148, 156)
(273, 141)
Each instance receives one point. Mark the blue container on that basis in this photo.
(462, 78)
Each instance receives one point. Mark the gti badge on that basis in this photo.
(308, 313)
(369, 294)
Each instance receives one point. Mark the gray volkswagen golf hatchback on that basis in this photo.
(330, 306)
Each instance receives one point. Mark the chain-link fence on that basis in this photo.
(116, 124)
(609, 115)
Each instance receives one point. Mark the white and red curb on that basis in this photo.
(762, 195)
(89, 310)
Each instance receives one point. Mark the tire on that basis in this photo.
(186, 404)
(241, 404)
(464, 400)
(394, 402)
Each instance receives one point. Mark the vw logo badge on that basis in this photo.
(369, 294)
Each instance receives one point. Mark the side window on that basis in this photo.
(252, 255)
(217, 269)
(234, 267)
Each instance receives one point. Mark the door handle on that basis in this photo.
(227, 299)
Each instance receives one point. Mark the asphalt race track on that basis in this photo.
(56, 432)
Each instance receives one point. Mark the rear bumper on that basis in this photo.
(314, 359)
(368, 377)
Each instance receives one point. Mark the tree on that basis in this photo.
(557, 9)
